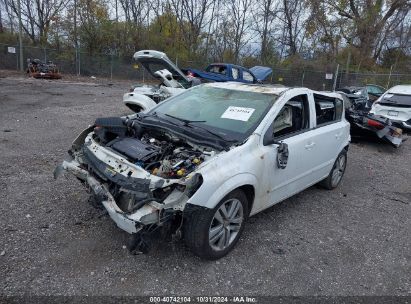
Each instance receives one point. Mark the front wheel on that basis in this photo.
(337, 172)
(212, 233)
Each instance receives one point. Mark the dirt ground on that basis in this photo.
(354, 240)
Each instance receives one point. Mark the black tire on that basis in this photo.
(198, 223)
(328, 183)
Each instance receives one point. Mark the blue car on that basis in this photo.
(222, 72)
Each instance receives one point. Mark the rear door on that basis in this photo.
(328, 135)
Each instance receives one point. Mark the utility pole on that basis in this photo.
(20, 36)
(335, 77)
(75, 39)
(389, 77)
(117, 11)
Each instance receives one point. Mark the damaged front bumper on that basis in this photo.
(122, 220)
(150, 212)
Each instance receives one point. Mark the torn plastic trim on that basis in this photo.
(129, 183)
(383, 127)
(388, 132)
(79, 140)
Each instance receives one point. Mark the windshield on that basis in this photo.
(233, 114)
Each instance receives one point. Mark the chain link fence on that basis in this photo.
(115, 67)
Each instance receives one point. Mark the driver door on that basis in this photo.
(291, 126)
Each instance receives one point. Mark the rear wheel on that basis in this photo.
(337, 172)
(212, 233)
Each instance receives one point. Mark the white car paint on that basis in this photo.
(400, 115)
(145, 97)
(311, 158)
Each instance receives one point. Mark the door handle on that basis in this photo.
(337, 136)
(309, 146)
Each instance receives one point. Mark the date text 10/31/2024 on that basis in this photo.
(203, 299)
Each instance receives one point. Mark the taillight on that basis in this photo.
(375, 124)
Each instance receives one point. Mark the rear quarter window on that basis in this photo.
(247, 76)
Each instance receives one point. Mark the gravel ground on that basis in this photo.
(354, 240)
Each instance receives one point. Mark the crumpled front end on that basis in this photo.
(104, 196)
(138, 201)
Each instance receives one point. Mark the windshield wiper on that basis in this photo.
(185, 121)
(188, 123)
(154, 114)
(213, 133)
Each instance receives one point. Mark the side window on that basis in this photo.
(235, 72)
(374, 90)
(247, 76)
(327, 109)
(218, 69)
(293, 117)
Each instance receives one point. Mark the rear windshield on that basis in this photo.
(396, 99)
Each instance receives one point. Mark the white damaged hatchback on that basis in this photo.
(199, 164)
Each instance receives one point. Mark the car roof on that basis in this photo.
(274, 89)
(257, 88)
(404, 89)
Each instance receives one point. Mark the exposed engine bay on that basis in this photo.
(158, 152)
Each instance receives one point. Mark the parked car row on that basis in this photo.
(358, 103)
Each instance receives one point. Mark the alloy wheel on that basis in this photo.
(226, 224)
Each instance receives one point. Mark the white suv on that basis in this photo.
(200, 163)
(395, 104)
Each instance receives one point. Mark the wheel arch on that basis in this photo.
(249, 192)
(138, 100)
(246, 182)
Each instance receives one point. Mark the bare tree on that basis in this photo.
(37, 16)
(291, 15)
(368, 21)
(191, 15)
(264, 16)
(238, 11)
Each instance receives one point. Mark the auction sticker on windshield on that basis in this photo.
(238, 113)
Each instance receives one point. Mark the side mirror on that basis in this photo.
(282, 155)
(282, 150)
